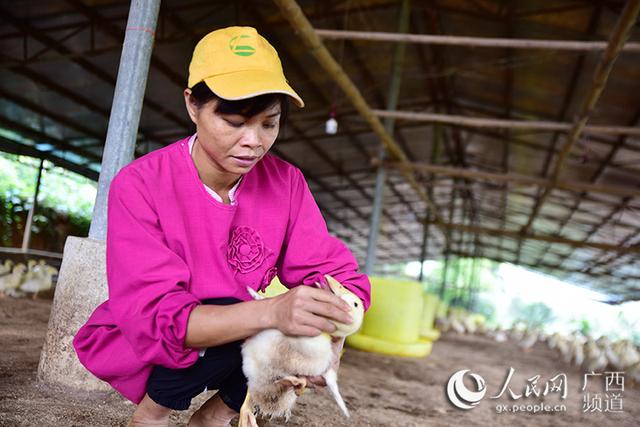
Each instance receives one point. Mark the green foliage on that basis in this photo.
(65, 203)
(485, 307)
(630, 326)
(535, 315)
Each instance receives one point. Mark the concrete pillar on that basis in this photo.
(82, 285)
(82, 282)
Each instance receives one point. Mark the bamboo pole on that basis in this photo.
(548, 267)
(516, 178)
(482, 122)
(487, 42)
(26, 237)
(634, 249)
(292, 12)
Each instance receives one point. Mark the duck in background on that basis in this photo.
(10, 283)
(39, 279)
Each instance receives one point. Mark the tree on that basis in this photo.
(534, 315)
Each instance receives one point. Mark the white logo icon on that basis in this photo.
(460, 395)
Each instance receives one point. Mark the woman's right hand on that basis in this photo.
(305, 310)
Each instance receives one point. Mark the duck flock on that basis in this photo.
(585, 352)
(30, 280)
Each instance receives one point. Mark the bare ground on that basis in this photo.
(379, 390)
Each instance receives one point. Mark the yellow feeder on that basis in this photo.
(275, 288)
(427, 330)
(392, 323)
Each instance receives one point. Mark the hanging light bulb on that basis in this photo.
(331, 126)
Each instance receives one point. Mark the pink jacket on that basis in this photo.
(170, 245)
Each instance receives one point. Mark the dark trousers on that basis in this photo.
(219, 368)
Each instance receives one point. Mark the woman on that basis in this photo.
(194, 224)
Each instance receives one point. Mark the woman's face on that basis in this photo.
(234, 143)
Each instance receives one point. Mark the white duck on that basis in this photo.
(276, 365)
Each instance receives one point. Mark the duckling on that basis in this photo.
(517, 333)
(470, 324)
(552, 341)
(276, 365)
(483, 329)
(40, 280)
(628, 354)
(577, 350)
(595, 358)
(529, 340)
(458, 326)
(10, 283)
(443, 324)
(633, 372)
(5, 269)
(499, 335)
(612, 357)
(563, 346)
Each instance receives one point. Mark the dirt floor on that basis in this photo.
(379, 390)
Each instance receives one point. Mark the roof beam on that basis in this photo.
(42, 137)
(301, 136)
(60, 118)
(619, 35)
(13, 147)
(516, 179)
(42, 80)
(482, 122)
(117, 34)
(294, 15)
(485, 42)
(542, 237)
(91, 68)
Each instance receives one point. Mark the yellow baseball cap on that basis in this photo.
(238, 63)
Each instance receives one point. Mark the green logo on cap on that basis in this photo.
(239, 49)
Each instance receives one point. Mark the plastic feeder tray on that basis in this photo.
(275, 288)
(427, 330)
(392, 323)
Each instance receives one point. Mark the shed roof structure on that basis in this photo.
(516, 132)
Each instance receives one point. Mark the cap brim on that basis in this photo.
(249, 83)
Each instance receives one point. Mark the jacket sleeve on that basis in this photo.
(309, 251)
(147, 280)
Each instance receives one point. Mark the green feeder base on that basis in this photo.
(430, 334)
(420, 348)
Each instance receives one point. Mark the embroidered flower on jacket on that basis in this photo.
(269, 275)
(246, 249)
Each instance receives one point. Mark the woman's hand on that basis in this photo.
(304, 311)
